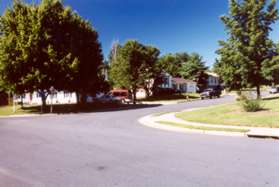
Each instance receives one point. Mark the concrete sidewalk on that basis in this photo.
(154, 121)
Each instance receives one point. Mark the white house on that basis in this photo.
(213, 80)
(61, 97)
(183, 85)
(179, 84)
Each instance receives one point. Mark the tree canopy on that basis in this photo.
(270, 68)
(194, 69)
(172, 63)
(133, 65)
(248, 47)
(48, 45)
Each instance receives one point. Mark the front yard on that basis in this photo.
(232, 114)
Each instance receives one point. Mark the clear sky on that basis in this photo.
(170, 25)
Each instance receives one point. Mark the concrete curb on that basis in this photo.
(148, 121)
(254, 132)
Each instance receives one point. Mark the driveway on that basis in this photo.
(113, 149)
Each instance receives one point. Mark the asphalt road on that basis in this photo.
(113, 149)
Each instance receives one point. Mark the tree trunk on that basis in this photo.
(134, 96)
(258, 92)
(43, 106)
(21, 101)
(81, 98)
(77, 97)
(10, 101)
(147, 91)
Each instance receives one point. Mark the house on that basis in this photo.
(60, 97)
(183, 85)
(179, 84)
(213, 80)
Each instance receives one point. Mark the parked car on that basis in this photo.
(122, 95)
(273, 90)
(106, 98)
(210, 93)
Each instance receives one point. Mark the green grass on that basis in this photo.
(159, 114)
(173, 97)
(8, 110)
(203, 127)
(232, 114)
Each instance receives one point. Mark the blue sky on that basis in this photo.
(170, 25)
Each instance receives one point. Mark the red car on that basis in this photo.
(123, 95)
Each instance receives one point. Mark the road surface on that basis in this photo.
(111, 148)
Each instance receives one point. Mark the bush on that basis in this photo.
(250, 104)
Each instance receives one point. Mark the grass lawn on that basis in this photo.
(232, 114)
(202, 127)
(173, 97)
(8, 110)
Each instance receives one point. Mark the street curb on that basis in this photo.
(254, 132)
(149, 122)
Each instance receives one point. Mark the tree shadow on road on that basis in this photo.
(88, 108)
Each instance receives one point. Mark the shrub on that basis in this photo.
(163, 92)
(250, 104)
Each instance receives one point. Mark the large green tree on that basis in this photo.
(48, 45)
(133, 66)
(194, 69)
(270, 68)
(248, 46)
(172, 63)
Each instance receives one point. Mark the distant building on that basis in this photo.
(183, 85)
(213, 80)
(179, 84)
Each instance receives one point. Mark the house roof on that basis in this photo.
(212, 74)
(178, 80)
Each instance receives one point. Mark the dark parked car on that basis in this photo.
(107, 98)
(210, 93)
(274, 90)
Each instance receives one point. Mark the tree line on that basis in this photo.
(135, 65)
(49, 45)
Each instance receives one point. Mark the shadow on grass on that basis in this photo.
(271, 98)
(88, 108)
